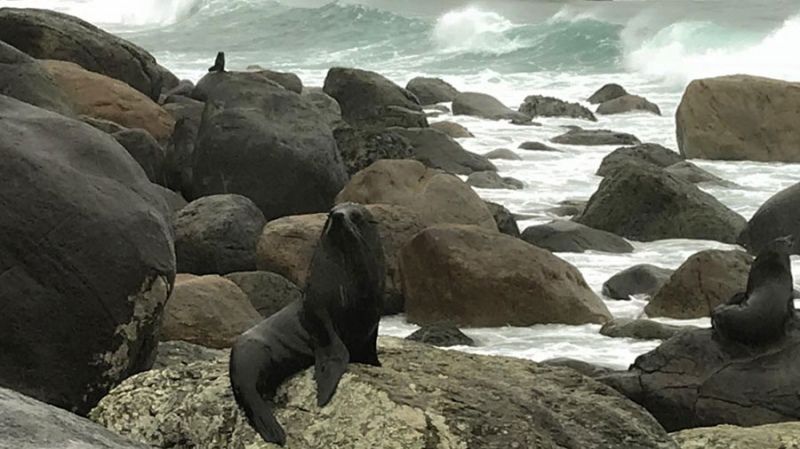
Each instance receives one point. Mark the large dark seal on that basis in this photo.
(762, 313)
(335, 322)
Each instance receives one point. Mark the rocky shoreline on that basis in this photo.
(149, 221)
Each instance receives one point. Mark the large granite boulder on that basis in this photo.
(269, 144)
(642, 279)
(452, 129)
(431, 90)
(150, 155)
(267, 292)
(448, 400)
(781, 435)
(640, 329)
(180, 148)
(86, 259)
(627, 103)
(474, 277)
(571, 237)
(607, 92)
(46, 34)
(287, 244)
(438, 150)
(435, 196)
(485, 106)
(707, 279)
(689, 172)
(506, 223)
(218, 234)
(645, 203)
(209, 311)
(740, 117)
(212, 80)
(30, 424)
(370, 101)
(24, 78)
(327, 106)
(777, 217)
(361, 148)
(646, 153)
(107, 98)
(694, 380)
(541, 106)
(593, 137)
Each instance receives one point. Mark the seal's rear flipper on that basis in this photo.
(368, 352)
(329, 364)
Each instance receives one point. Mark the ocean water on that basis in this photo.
(510, 49)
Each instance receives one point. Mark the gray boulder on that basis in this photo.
(30, 424)
(267, 292)
(506, 223)
(537, 146)
(218, 234)
(431, 90)
(491, 180)
(45, 34)
(568, 236)
(645, 203)
(372, 102)
(449, 400)
(606, 93)
(777, 217)
(641, 329)
(589, 137)
(642, 279)
(360, 148)
(87, 259)
(437, 150)
(646, 153)
(23, 78)
(442, 335)
(691, 173)
(269, 144)
(148, 153)
(485, 106)
(504, 154)
(627, 103)
(541, 106)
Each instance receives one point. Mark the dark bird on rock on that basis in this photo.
(219, 63)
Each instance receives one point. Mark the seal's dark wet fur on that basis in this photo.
(335, 323)
(763, 312)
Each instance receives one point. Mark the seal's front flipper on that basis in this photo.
(330, 363)
(368, 352)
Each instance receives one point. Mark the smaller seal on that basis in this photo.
(219, 63)
(761, 313)
(335, 323)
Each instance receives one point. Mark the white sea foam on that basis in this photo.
(474, 30)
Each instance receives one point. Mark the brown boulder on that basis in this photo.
(473, 277)
(740, 117)
(435, 196)
(106, 98)
(627, 103)
(286, 244)
(209, 311)
(706, 280)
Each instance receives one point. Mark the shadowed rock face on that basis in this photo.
(86, 256)
(694, 379)
(447, 400)
(30, 424)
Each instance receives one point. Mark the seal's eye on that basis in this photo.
(356, 217)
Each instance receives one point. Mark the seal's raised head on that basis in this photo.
(350, 221)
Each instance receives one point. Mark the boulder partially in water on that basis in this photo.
(644, 203)
(704, 281)
(541, 106)
(437, 150)
(642, 279)
(431, 90)
(607, 92)
(372, 102)
(474, 277)
(485, 106)
(740, 117)
(568, 236)
(646, 153)
(592, 137)
(694, 380)
(627, 103)
(421, 398)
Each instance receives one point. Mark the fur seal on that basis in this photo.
(761, 313)
(336, 321)
(219, 63)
